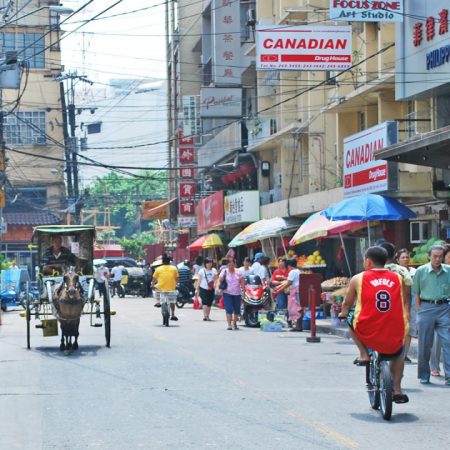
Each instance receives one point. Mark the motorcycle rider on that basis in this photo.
(185, 278)
(165, 278)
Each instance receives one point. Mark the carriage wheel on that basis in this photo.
(28, 315)
(107, 315)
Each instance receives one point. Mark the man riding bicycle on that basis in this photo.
(375, 309)
(166, 278)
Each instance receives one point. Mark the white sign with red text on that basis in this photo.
(362, 172)
(366, 11)
(303, 48)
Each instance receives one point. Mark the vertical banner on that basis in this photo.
(226, 23)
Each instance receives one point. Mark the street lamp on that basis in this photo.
(53, 8)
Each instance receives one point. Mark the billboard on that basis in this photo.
(366, 11)
(303, 48)
(155, 210)
(363, 174)
(220, 102)
(422, 45)
(242, 207)
(210, 212)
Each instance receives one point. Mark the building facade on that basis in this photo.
(33, 125)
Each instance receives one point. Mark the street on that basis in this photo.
(196, 385)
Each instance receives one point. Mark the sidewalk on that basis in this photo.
(324, 326)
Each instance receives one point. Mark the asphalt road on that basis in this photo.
(196, 385)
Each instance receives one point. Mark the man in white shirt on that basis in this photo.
(256, 267)
(116, 273)
(101, 275)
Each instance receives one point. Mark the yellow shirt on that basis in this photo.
(167, 277)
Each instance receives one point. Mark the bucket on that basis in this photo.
(306, 323)
(49, 327)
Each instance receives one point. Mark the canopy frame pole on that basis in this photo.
(284, 247)
(368, 232)
(272, 248)
(345, 254)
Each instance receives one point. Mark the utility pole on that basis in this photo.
(70, 139)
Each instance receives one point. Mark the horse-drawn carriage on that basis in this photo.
(67, 285)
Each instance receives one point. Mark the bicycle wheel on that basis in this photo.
(165, 313)
(385, 390)
(372, 385)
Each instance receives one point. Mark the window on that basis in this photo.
(419, 232)
(36, 196)
(25, 128)
(29, 45)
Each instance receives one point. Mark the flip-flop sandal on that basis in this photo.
(400, 398)
(361, 362)
(435, 373)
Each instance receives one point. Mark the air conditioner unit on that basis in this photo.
(39, 140)
(251, 17)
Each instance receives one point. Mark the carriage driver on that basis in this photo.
(57, 257)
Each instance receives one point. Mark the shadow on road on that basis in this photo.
(84, 350)
(375, 417)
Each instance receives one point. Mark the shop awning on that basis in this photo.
(208, 241)
(430, 149)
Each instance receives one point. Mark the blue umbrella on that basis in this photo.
(369, 207)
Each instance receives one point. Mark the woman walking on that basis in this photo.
(207, 277)
(231, 283)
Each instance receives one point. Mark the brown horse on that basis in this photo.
(68, 302)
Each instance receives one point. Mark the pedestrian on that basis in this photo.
(231, 293)
(264, 271)
(148, 275)
(432, 294)
(116, 273)
(295, 311)
(402, 259)
(198, 264)
(246, 268)
(207, 277)
(278, 277)
(435, 358)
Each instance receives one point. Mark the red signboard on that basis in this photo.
(187, 207)
(210, 212)
(188, 140)
(187, 189)
(187, 172)
(186, 155)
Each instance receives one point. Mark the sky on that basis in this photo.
(127, 46)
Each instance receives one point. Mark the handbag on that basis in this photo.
(210, 283)
(223, 283)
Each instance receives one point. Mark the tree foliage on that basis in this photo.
(123, 196)
(134, 245)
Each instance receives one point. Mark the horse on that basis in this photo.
(68, 303)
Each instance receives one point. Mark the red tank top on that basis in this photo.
(379, 319)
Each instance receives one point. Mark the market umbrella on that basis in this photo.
(208, 241)
(369, 207)
(263, 229)
(318, 226)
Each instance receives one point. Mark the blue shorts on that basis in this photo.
(232, 303)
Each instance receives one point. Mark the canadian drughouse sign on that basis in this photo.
(362, 172)
(303, 48)
(366, 11)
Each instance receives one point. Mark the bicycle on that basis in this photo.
(379, 383)
(166, 298)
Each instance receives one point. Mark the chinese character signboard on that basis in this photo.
(187, 189)
(303, 48)
(187, 221)
(187, 207)
(226, 21)
(220, 102)
(366, 11)
(187, 171)
(423, 49)
(186, 155)
(242, 207)
(210, 212)
(155, 210)
(364, 174)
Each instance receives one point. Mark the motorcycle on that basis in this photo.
(255, 296)
(186, 293)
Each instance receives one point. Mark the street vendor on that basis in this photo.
(57, 258)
